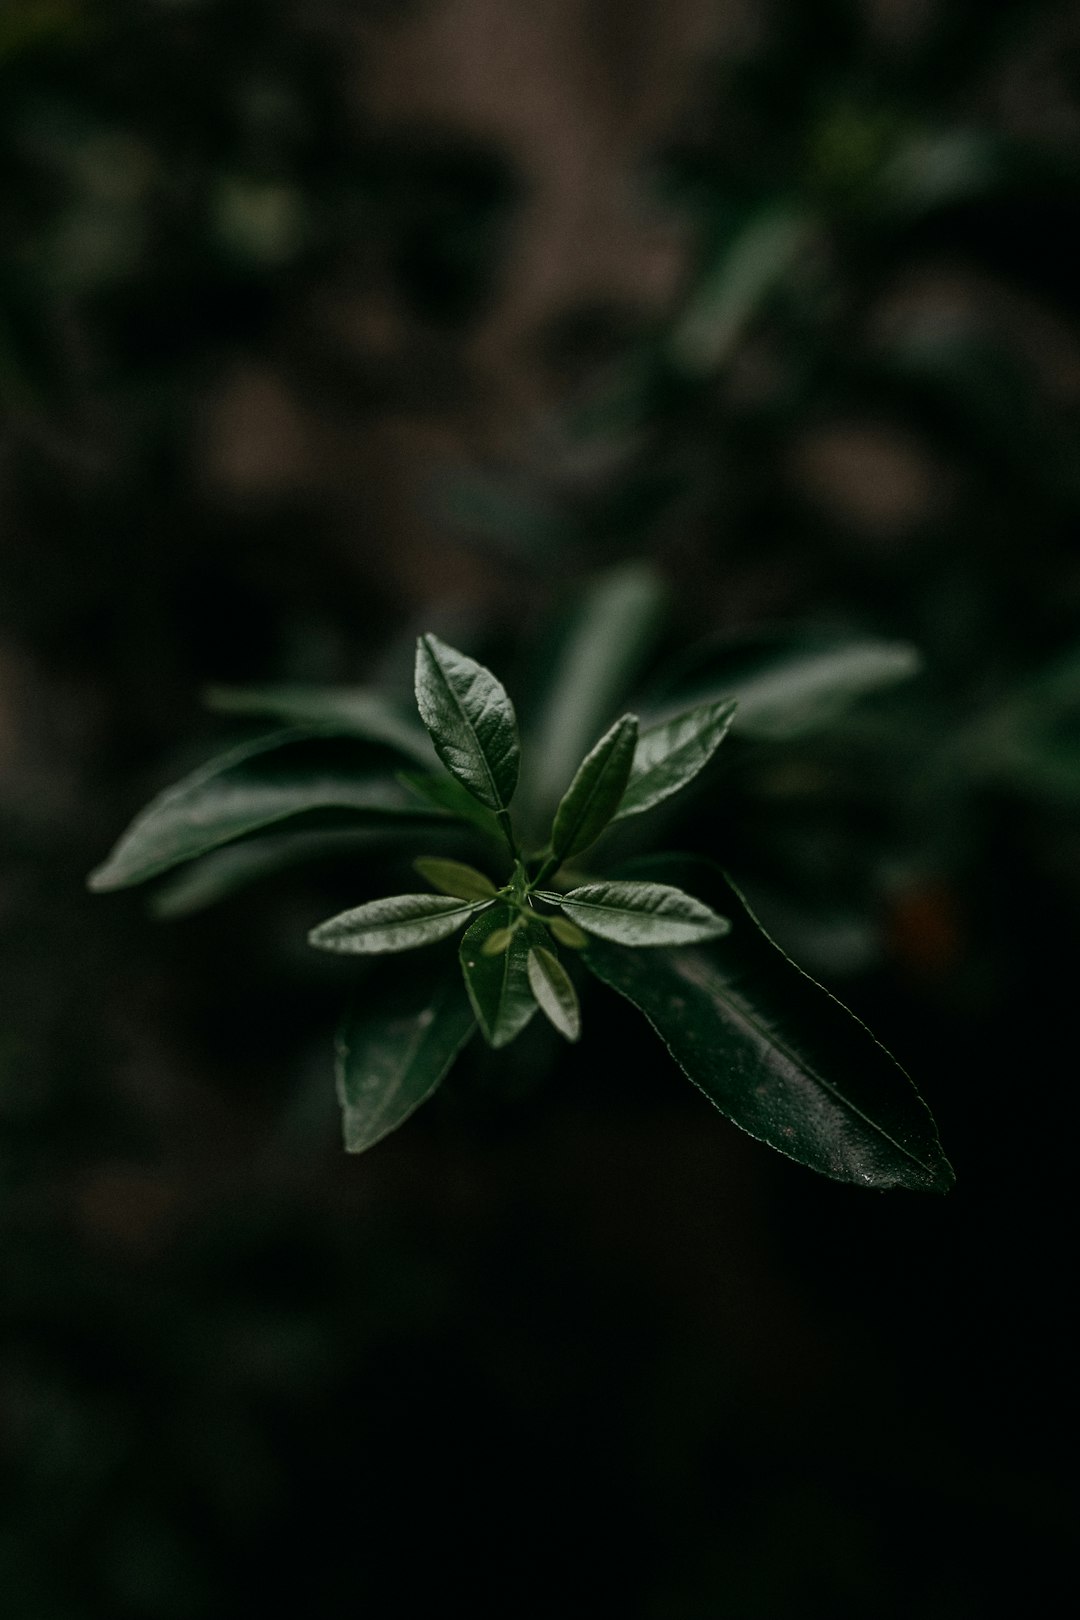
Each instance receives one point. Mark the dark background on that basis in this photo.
(320, 325)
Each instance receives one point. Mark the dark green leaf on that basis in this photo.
(554, 992)
(394, 1047)
(593, 796)
(398, 923)
(351, 711)
(670, 755)
(471, 721)
(498, 985)
(598, 654)
(269, 780)
(455, 877)
(640, 914)
(781, 1057)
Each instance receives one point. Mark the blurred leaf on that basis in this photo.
(595, 660)
(780, 1056)
(399, 922)
(354, 711)
(447, 794)
(286, 774)
(394, 1047)
(592, 798)
(498, 985)
(471, 721)
(789, 682)
(226, 871)
(670, 755)
(730, 295)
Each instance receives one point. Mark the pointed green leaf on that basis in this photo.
(455, 877)
(498, 942)
(554, 992)
(398, 923)
(498, 985)
(593, 796)
(640, 914)
(263, 782)
(394, 1047)
(471, 721)
(351, 711)
(445, 793)
(670, 755)
(591, 662)
(781, 1057)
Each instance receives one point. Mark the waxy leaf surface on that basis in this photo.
(399, 923)
(498, 985)
(554, 992)
(670, 755)
(781, 1057)
(256, 785)
(471, 721)
(641, 914)
(395, 1046)
(592, 798)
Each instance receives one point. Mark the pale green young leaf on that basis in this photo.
(567, 933)
(394, 1047)
(641, 914)
(670, 755)
(471, 721)
(455, 877)
(554, 992)
(258, 784)
(593, 796)
(398, 923)
(498, 984)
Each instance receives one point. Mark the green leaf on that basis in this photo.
(352, 711)
(499, 941)
(594, 660)
(498, 985)
(445, 793)
(455, 877)
(670, 755)
(788, 684)
(398, 923)
(554, 992)
(593, 796)
(471, 721)
(263, 782)
(781, 1057)
(641, 914)
(394, 1047)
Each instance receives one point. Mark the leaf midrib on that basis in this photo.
(473, 733)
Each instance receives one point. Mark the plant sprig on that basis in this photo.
(350, 769)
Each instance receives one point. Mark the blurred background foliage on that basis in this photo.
(321, 324)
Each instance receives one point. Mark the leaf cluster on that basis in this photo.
(767, 1046)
